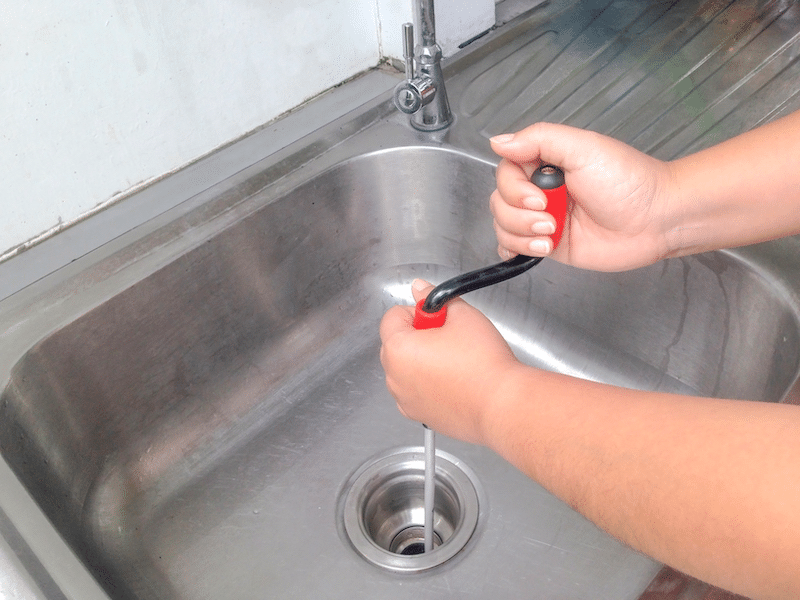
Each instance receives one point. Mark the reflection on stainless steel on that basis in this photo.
(188, 410)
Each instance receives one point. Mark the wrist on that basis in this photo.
(687, 229)
(739, 192)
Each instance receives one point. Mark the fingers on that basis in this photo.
(514, 185)
(520, 221)
(396, 320)
(521, 224)
(400, 319)
(510, 245)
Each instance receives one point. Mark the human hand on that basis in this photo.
(445, 377)
(620, 209)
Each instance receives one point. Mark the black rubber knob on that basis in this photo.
(548, 177)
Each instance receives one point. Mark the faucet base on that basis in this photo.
(418, 122)
(423, 96)
(435, 114)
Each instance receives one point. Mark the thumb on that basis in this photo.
(551, 143)
(522, 147)
(420, 289)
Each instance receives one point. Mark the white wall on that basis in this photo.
(99, 98)
(456, 21)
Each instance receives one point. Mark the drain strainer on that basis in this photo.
(383, 511)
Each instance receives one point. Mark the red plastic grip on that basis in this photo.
(550, 180)
(424, 320)
(557, 206)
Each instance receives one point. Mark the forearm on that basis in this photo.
(711, 487)
(742, 191)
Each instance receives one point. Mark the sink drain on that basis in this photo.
(383, 510)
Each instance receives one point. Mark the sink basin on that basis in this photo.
(191, 435)
(191, 410)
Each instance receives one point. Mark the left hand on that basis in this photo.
(622, 201)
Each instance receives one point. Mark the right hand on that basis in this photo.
(619, 210)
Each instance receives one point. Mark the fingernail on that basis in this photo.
(540, 246)
(419, 284)
(533, 203)
(504, 253)
(503, 138)
(543, 228)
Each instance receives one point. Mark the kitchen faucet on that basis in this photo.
(423, 95)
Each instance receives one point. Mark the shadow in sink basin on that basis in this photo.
(189, 436)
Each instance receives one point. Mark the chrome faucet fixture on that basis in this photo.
(422, 95)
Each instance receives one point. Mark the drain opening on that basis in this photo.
(411, 541)
(383, 510)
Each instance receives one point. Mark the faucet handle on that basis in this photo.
(410, 96)
(415, 92)
(408, 49)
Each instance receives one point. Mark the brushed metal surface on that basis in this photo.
(188, 409)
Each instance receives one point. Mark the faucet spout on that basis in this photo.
(422, 95)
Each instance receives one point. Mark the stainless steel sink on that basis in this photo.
(190, 409)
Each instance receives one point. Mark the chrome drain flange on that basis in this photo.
(383, 512)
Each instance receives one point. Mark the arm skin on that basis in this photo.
(708, 486)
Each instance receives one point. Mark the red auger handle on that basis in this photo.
(426, 320)
(550, 180)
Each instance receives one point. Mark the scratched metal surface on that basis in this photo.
(667, 77)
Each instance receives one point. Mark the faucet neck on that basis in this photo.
(426, 22)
